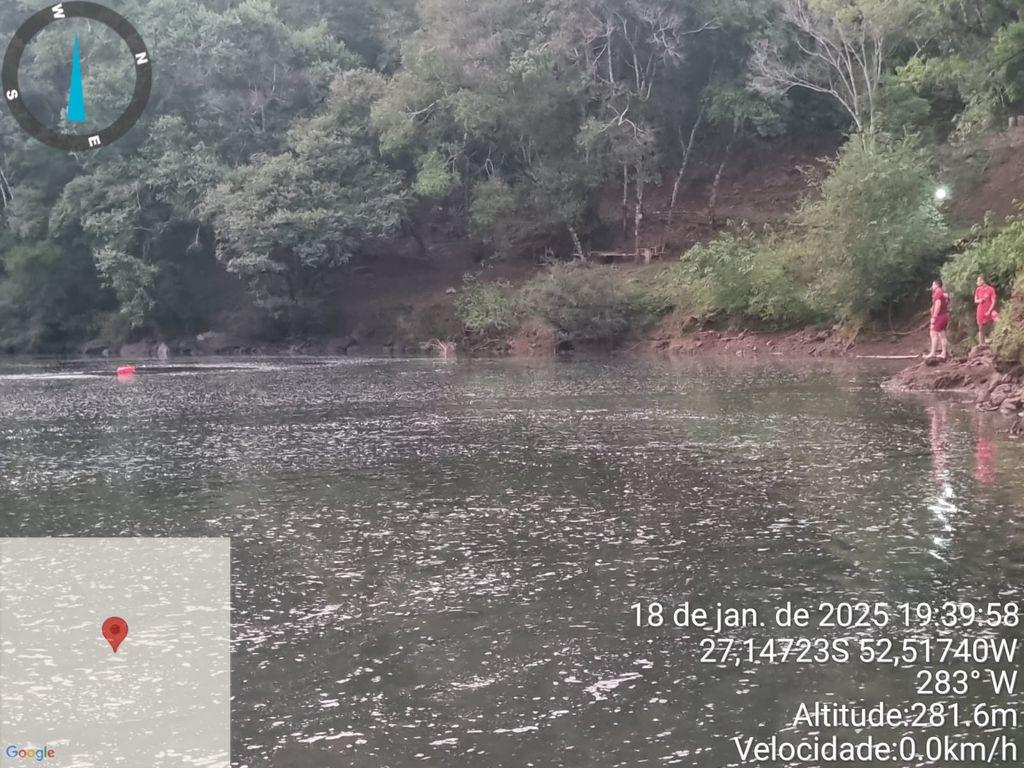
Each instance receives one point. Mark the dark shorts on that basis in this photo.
(940, 323)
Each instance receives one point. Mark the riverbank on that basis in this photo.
(805, 343)
(994, 384)
(536, 340)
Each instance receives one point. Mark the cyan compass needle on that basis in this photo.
(76, 94)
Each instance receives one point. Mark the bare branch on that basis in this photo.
(844, 59)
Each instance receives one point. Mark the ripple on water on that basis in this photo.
(436, 562)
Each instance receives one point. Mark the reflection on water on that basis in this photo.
(436, 562)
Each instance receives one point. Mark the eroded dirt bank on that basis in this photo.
(808, 342)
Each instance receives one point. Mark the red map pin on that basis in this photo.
(115, 629)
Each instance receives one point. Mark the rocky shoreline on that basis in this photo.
(994, 384)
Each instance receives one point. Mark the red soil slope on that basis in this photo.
(761, 184)
(1001, 186)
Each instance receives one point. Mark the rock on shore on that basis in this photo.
(996, 385)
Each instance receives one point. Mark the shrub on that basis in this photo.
(871, 236)
(739, 275)
(902, 110)
(1008, 339)
(434, 178)
(779, 294)
(674, 288)
(585, 302)
(487, 306)
(876, 230)
(999, 257)
(722, 273)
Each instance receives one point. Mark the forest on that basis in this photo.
(286, 138)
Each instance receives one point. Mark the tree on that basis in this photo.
(129, 208)
(876, 230)
(505, 121)
(735, 109)
(48, 297)
(232, 80)
(286, 220)
(485, 115)
(628, 51)
(840, 48)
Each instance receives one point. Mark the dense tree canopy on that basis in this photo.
(284, 136)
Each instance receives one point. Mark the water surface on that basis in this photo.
(436, 562)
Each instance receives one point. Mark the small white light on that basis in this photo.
(942, 193)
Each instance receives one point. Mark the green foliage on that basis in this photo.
(286, 219)
(926, 96)
(741, 276)
(902, 111)
(998, 256)
(129, 208)
(232, 79)
(585, 302)
(1008, 339)
(677, 287)
(876, 229)
(494, 203)
(1008, 58)
(434, 178)
(865, 243)
(487, 306)
(969, 67)
(47, 297)
(284, 136)
(724, 271)
(132, 280)
(735, 106)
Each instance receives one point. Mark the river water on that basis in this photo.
(435, 563)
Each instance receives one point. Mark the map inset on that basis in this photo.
(161, 699)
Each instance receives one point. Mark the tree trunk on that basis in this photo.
(577, 245)
(713, 200)
(413, 228)
(6, 192)
(687, 150)
(716, 185)
(625, 199)
(638, 211)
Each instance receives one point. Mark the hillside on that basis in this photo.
(995, 183)
(396, 296)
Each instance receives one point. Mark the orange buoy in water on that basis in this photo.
(126, 372)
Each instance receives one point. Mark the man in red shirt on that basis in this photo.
(985, 299)
(939, 322)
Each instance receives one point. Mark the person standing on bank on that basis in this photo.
(939, 322)
(985, 300)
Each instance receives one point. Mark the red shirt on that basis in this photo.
(985, 298)
(942, 297)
